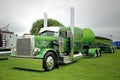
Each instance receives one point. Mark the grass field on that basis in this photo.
(106, 67)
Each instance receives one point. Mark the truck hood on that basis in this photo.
(45, 42)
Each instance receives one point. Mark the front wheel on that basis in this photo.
(49, 61)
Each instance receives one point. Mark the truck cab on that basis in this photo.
(51, 47)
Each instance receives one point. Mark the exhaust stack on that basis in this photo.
(72, 31)
(45, 20)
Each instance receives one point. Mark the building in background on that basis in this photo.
(7, 42)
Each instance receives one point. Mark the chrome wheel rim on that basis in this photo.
(50, 62)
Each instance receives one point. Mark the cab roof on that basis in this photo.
(51, 28)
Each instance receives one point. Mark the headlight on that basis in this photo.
(14, 49)
(35, 51)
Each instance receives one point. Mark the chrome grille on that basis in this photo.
(24, 47)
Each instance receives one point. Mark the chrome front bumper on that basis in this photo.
(5, 54)
(27, 63)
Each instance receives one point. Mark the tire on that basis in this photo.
(112, 50)
(99, 51)
(96, 54)
(49, 61)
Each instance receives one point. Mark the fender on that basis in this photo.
(92, 52)
(42, 53)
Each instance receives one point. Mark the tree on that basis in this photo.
(37, 25)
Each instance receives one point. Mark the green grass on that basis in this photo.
(106, 67)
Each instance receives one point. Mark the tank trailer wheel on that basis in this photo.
(99, 53)
(49, 61)
(96, 54)
(112, 50)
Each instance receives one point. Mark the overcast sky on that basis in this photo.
(99, 15)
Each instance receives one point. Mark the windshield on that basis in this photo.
(47, 33)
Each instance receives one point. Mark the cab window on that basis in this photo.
(47, 33)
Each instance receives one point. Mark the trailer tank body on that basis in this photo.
(102, 38)
(88, 36)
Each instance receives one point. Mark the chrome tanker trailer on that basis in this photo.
(104, 42)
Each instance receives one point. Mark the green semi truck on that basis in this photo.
(55, 45)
